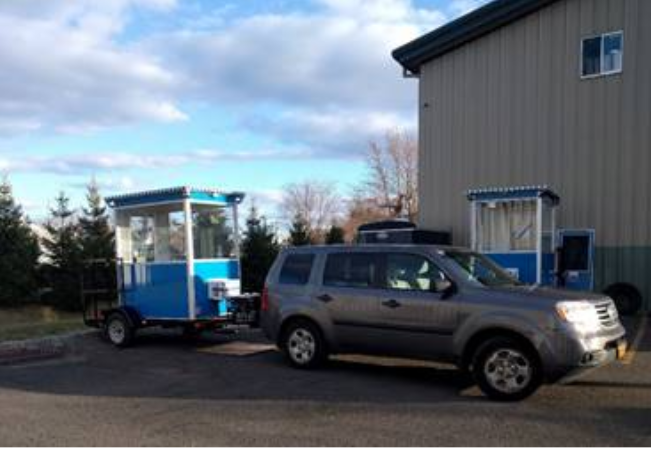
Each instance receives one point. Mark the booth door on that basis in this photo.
(577, 259)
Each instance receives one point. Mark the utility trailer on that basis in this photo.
(177, 265)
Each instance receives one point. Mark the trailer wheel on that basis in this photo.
(191, 333)
(119, 330)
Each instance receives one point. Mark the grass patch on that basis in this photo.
(37, 321)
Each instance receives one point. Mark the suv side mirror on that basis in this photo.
(445, 287)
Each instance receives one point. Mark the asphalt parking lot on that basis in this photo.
(168, 391)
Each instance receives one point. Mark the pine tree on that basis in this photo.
(64, 252)
(96, 236)
(335, 235)
(299, 234)
(19, 251)
(259, 250)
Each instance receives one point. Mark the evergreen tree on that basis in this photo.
(259, 250)
(299, 234)
(19, 251)
(335, 235)
(96, 236)
(64, 252)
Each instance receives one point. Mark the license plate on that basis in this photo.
(621, 349)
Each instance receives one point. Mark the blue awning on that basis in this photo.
(513, 193)
(172, 195)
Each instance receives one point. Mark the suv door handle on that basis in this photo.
(325, 298)
(391, 304)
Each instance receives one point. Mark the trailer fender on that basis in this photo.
(131, 315)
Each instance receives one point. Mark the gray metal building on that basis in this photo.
(533, 92)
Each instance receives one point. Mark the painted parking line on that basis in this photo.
(641, 329)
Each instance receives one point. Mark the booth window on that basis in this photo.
(507, 226)
(142, 238)
(602, 55)
(213, 233)
(176, 237)
(159, 234)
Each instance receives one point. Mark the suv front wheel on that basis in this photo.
(303, 345)
(506, 370)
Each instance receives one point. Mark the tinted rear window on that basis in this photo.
(296, 269)
(351, 270)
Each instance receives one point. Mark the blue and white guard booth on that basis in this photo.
(177, 262)
(517, 228)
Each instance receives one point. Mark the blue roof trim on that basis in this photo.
(174, 194)
(513, 193)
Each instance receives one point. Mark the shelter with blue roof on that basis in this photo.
(178, 259)
(516, 227)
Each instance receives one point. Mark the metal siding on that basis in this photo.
(511, 109)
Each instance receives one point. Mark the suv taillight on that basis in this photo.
(264, 300)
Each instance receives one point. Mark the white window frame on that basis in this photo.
(602, 71)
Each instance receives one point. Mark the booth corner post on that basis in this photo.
(178, 262)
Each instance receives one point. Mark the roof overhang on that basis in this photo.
(517, 193)
(474, 25)
(174, 195)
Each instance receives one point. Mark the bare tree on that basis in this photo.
(393, 174)
(317, 203)
(360, 210)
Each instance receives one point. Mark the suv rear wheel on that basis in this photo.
(303, 345)
(506, 370)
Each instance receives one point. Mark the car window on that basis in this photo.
(411, 272)
(480, 270)
(356, 270)
(296, 269)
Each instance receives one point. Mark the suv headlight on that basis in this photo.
(580, 314)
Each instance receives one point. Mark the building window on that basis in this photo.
(506, 226)
(602, 55)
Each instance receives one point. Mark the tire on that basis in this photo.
(627, 299)
(506, 370)
(303, 345)
(119, 330)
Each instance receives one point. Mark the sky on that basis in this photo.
(245, 95)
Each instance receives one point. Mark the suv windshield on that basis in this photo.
(480, 269)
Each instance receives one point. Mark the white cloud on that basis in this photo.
(332, 133)
(73, 165)
(337, 56)
(322, 79)
(61, 68)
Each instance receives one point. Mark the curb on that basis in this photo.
(21, 351)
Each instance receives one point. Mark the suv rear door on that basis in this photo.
(350, 293)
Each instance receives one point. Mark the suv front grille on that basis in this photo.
(607, 313)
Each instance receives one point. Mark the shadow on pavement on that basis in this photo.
(609, 384)
(168, 366)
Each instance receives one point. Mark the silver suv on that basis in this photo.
(435, 303)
